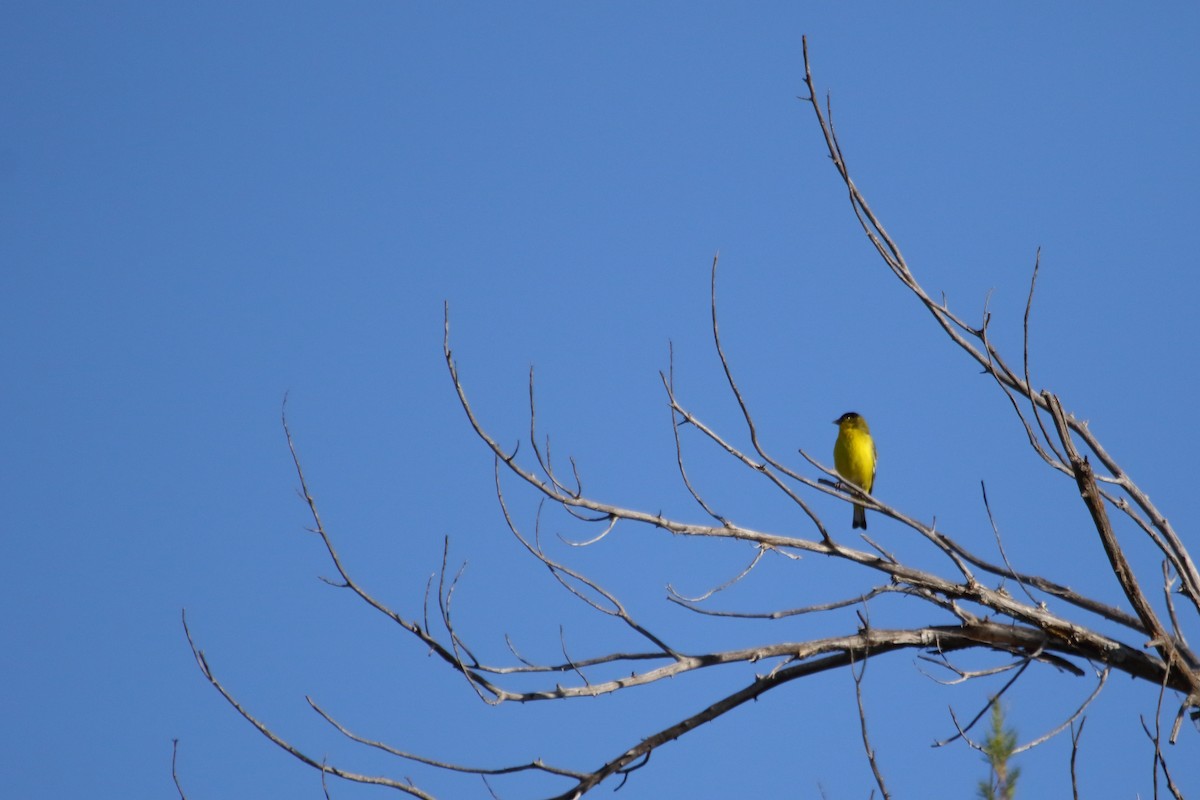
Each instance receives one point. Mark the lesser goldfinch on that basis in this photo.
(854, 458)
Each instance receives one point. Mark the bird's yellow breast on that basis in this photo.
(854, 457)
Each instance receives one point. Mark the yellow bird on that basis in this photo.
(854, 458)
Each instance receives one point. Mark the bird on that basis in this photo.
(854, 458)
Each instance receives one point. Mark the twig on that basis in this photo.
(962, 732)
(1000, 544)
(1070, 721)
(612, 523)
(749, 419)
(964, 675)
(675, 596)
(791, 612)
(562, 572)
(1076, 734)
(174, 774)
(1059, 459)
(545, 463)
(354, 777)
(862, 719)
(669, 379)
(536, 765)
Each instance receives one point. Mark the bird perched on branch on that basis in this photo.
(854, 458)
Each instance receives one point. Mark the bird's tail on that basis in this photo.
(860, 518)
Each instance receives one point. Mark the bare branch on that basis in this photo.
(321, 766)
(689, 604)
(174, 774)
(1058, 460)
(858, 676)
(760, 686)
(988, 358)
(669, 380)
(612, 523)
(964, 675)
(1070, 721)
(962, 612)
(1076, 734)
(561, 573)
(1160, 763)
(1000, 544)
(674, 596)
(434, 645)
(544, 463)
(962, 732)
(1124, 573)
(456, 645)
(535, 765)
(750, 426)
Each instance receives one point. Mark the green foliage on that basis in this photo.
(1001, 783)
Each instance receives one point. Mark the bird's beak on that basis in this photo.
(835, 422)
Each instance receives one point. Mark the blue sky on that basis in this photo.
(207, 206)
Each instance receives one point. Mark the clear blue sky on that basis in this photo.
(205, 206)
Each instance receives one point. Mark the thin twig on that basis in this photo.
(1070, 721)
(536, 765)
(962, 732)
(862, 719)
(790, 612)
(686, 601)
(174, 774)
(1000, 543)
(669, 379)
(1059, 459)
(353, 777)
(1076, 734)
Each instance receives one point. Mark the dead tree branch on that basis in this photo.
(953, 606)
